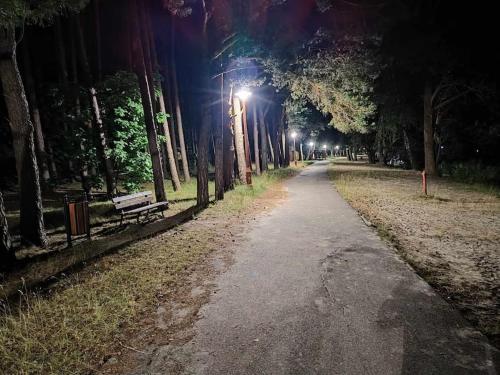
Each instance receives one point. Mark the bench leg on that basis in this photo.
(138, 217)
(121, 219)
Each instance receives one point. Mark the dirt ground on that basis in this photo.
(451, 237)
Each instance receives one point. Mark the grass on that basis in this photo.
(83, 319)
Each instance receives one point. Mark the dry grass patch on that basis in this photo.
(451, 237)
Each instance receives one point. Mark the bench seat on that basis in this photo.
(135, 204)
(146, 208)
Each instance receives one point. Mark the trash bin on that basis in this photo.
(76, 218)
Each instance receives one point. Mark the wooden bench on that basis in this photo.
(135, 204)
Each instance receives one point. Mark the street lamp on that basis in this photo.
(244, 94)
(326, 152)
(337, 150)
(294, 135)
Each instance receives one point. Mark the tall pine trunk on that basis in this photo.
(145, 90)
(176, 183)
(178, 111)
(246, 138)
(263, 141)
(63, 75)
(219, 146)
(202, 161)
(31, 212)
(430, 160)
(97, 125)
(7, 256)
(168, 152)
(256, 140)
(239, 142)
(286, 144)
(275, 137)
(35, 114)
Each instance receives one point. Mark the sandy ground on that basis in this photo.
(451, 237)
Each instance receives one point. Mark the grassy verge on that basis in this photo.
(82, 320)
(451, 237)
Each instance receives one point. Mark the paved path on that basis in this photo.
(315, 291)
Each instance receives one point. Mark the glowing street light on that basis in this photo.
(311, 144)
(244, 94)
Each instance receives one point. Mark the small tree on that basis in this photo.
(123, 115)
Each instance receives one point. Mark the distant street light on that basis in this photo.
(326, 152)
(294, 135)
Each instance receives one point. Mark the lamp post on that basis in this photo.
(243, 95)
(325, 151)
(337, 150)
(294, 135)
(311, 150)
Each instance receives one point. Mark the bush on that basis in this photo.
(472, 172)
(123, 116)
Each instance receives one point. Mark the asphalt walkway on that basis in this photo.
(313, 290)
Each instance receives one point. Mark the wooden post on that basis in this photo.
(424, 182)
(67, 220)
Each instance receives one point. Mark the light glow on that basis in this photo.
(244, 94)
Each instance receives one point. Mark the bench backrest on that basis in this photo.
(133, 200)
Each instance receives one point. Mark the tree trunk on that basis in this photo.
(35, 114)
(61, 52)
(229, 156)
(263, 141)
(97, 17)
(409, 150)
(177, 104)
(286, 142)
(246, 139)
(256, 140)
(97, 125)
(51, 161)
(239, 142)
(270, 143)
(144, 87)
(75, 93)
(31, 212)
(169, 155)
(7, 256)
(176, 183)
(202, 160)
(219, 146)
(430, 161)
(63, 76)
(276, 146)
